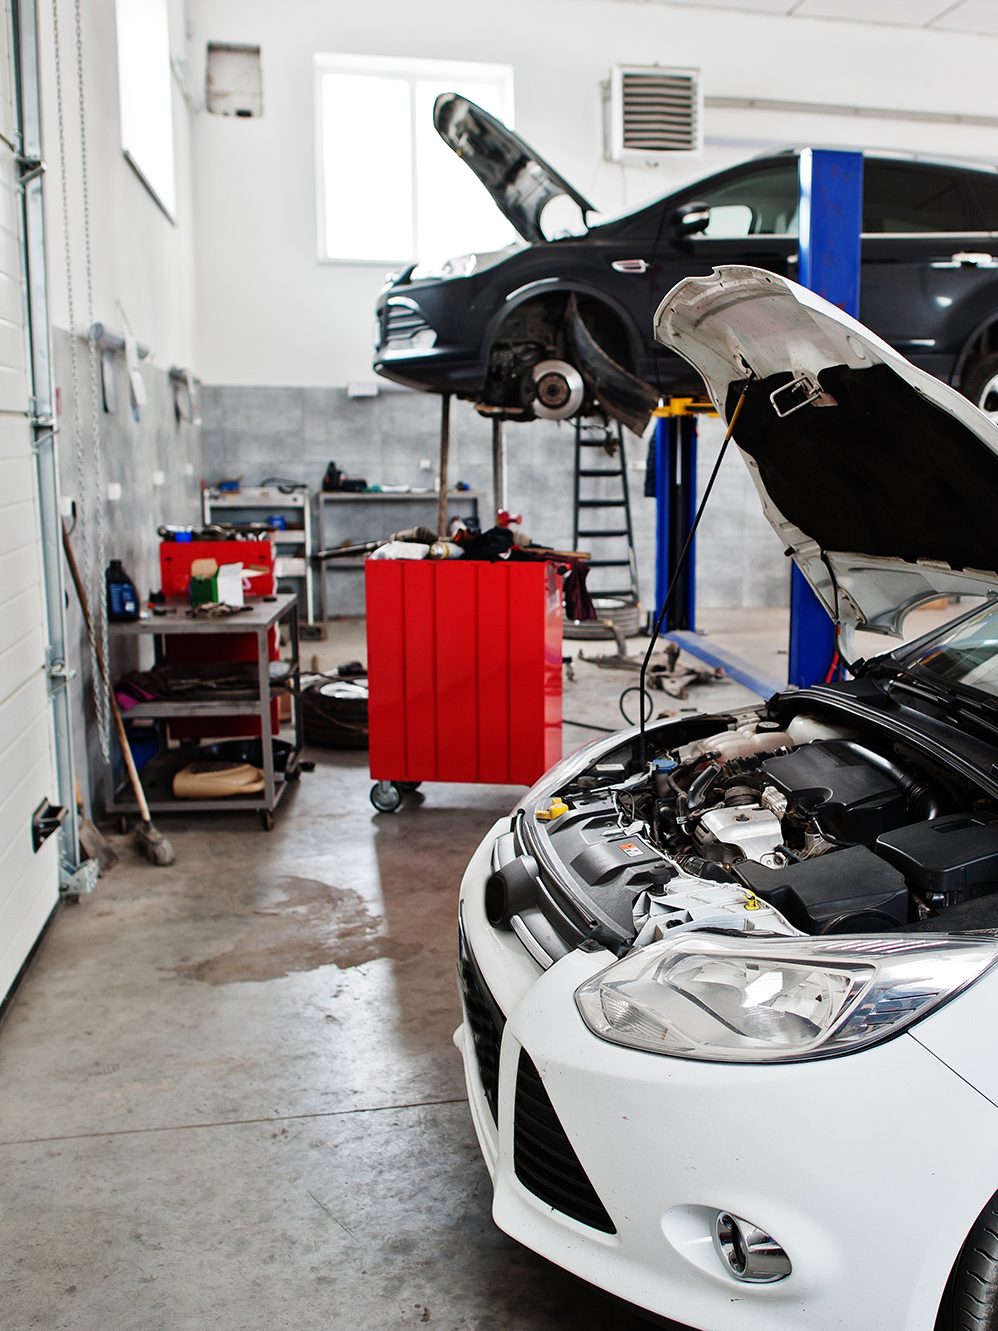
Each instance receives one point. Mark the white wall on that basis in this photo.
(143, 263)
(270, 313)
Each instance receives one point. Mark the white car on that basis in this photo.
(730, 987)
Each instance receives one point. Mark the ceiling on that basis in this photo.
(976, 16)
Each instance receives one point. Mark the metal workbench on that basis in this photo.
(157, 774)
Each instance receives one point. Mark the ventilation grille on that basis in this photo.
(485, 1023)
(543, 1157)
(654, 113)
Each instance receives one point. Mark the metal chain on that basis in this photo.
(95, 594)
(99, 602)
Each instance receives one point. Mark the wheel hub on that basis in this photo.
(558, 390)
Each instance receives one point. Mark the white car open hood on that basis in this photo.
(881, 481)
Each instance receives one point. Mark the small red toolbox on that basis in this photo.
(464, 670)
(176, 557)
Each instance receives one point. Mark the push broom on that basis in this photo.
(148, 839)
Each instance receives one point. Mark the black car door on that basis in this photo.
(752, 220)
(926, 259)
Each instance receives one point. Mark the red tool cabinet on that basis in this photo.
(464, 670)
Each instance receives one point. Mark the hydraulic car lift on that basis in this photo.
(830, 222)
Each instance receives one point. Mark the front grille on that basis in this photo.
(485, 1021)
(402, 321)
(543, 1157)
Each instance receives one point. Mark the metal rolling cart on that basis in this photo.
(258, 702)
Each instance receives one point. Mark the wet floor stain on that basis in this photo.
(299, 925)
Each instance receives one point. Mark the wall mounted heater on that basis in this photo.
(651, 113)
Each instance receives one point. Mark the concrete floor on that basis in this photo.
(228, 1093)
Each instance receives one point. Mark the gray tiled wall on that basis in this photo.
(256, 432)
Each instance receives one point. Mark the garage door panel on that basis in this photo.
(17, 482)
(23, 657)
(24, 774)
(29, 881)
(11, 436)
(18, 574)
(18, 527)
(23, 798)
(8, 203)
(26, 913)
(13, 388)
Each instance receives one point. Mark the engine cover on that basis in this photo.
(850, 798)
(845, 891)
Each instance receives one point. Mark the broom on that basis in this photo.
(151, 842)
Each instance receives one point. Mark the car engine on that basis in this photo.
(808, 829)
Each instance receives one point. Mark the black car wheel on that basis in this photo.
(971, 1299)
(980, 384)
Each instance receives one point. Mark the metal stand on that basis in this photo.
(444, 464)
(831, 213)
(676, 503)
(499, 463)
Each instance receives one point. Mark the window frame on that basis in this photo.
(413, 70)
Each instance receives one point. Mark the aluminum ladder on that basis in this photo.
(602, 509)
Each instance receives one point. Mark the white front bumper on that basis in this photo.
(868, 1169)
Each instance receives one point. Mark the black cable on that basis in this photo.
(681, 564)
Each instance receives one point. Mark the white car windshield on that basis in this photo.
(965, 654)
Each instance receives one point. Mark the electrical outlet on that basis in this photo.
(188, 468)
(67, 506)
(425, 464)
(158, 479)
(113, 491)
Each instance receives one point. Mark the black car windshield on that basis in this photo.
(964, 655)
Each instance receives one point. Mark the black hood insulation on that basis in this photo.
(885, 473)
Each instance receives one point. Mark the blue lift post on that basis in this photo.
(830, 221)
(675, 506)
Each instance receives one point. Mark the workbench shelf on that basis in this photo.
(262, 619)
(349, 517)
(295, 544)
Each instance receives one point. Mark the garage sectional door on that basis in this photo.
(28, 879)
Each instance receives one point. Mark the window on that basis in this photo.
(902, 198)
(986, 189)
(389, 189)
(146, 96)
(758, 203)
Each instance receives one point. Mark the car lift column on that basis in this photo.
(830, 222)
(675, 505)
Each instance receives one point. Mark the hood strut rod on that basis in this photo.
(680, 566)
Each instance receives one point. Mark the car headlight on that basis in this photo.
(738, 1000)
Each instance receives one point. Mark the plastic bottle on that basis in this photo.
(122, 598)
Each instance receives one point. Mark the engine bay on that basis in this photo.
(773, 825)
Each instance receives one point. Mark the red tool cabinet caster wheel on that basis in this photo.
(386, 796)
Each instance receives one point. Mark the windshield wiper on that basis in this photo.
(951, 698)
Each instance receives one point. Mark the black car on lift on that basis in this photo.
(549, 326)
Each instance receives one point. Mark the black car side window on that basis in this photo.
(757, 203)
(902, 198)
(986, 189)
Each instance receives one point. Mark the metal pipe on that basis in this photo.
(444, 463)
(499, 463)
(42, 420)
(108, 340)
